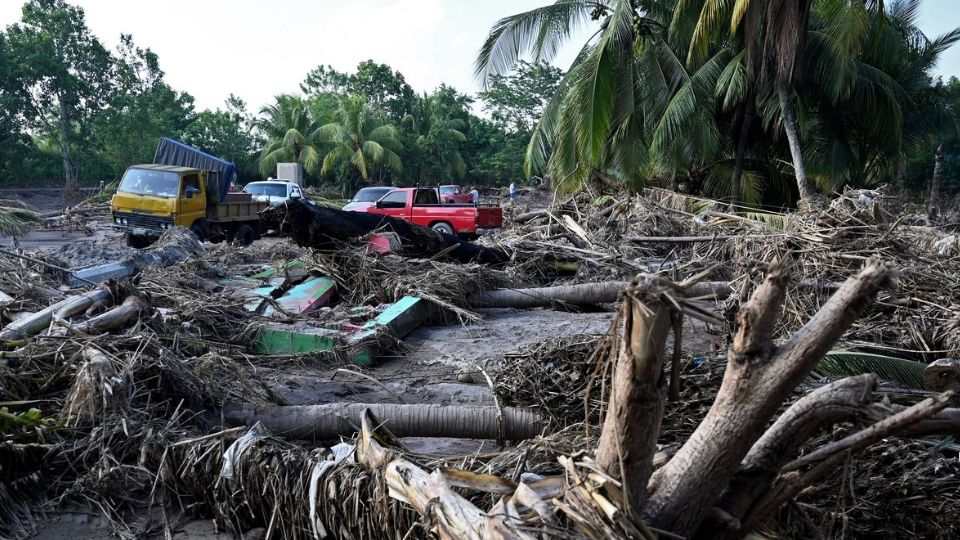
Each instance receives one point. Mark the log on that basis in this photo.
(119, 317)
(325, 228)
(332, 420)
(577, 295)
(35, 323)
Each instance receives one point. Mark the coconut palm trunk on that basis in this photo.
(793, 139)
(937, 179)
(743, 136)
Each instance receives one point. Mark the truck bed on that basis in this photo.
(235, 207)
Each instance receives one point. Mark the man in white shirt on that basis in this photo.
(474, 195)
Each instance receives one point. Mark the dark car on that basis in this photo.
(366, 198)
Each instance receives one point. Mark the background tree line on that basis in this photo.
(71, 110)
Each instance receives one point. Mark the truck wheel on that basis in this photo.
(243, 236)
(444, 228)
(138, 242)
(200, 229)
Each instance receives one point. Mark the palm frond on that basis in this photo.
(538, 33)
(844, 364)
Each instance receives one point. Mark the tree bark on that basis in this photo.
(793, 139)
(332, 420)
(937, 179)
(638, 392)
(759, 377)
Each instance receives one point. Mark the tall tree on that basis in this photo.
(142, 109)
(228, 133)
(360, 141)
(516, 101)
(291, 135)
(437, 124)
(61, 70)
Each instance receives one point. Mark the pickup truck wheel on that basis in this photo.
(243, 236)
(443, 228)
(137, 241)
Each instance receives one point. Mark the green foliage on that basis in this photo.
(29, 420)
(360, 140)
(843, 364)
(516, 101)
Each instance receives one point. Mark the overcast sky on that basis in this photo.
(257, 49)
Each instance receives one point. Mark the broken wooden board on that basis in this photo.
(305, 298)
(398, 319)
(291, 340)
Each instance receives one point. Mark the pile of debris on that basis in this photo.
(151, 384)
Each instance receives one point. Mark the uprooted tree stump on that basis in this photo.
(325, 228)
(733, 472)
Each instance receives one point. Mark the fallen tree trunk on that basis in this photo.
(329, 421)
(320, 227)
(35, 323)
(119, 317)
(577, 295)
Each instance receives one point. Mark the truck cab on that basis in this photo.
(153, 198)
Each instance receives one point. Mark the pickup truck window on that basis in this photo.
(150, 182)
(425, 196)
(394, 199)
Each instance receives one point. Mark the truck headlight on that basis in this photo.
(123, 221)
(116, 220)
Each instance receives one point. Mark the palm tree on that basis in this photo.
(291, 135)
(438, 136)
(359, 138)
(629, 107)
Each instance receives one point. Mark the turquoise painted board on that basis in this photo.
(306, 297)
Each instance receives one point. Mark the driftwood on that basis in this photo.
(119, 317)
(577, 295)
(332, 420)
(35, 323)
(325, 228)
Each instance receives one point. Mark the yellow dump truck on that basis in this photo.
(185, 187)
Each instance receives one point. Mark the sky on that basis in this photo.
(257, 49)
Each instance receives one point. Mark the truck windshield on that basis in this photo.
(150, 182)
(267, 190)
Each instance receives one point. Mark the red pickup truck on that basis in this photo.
(422, 206)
